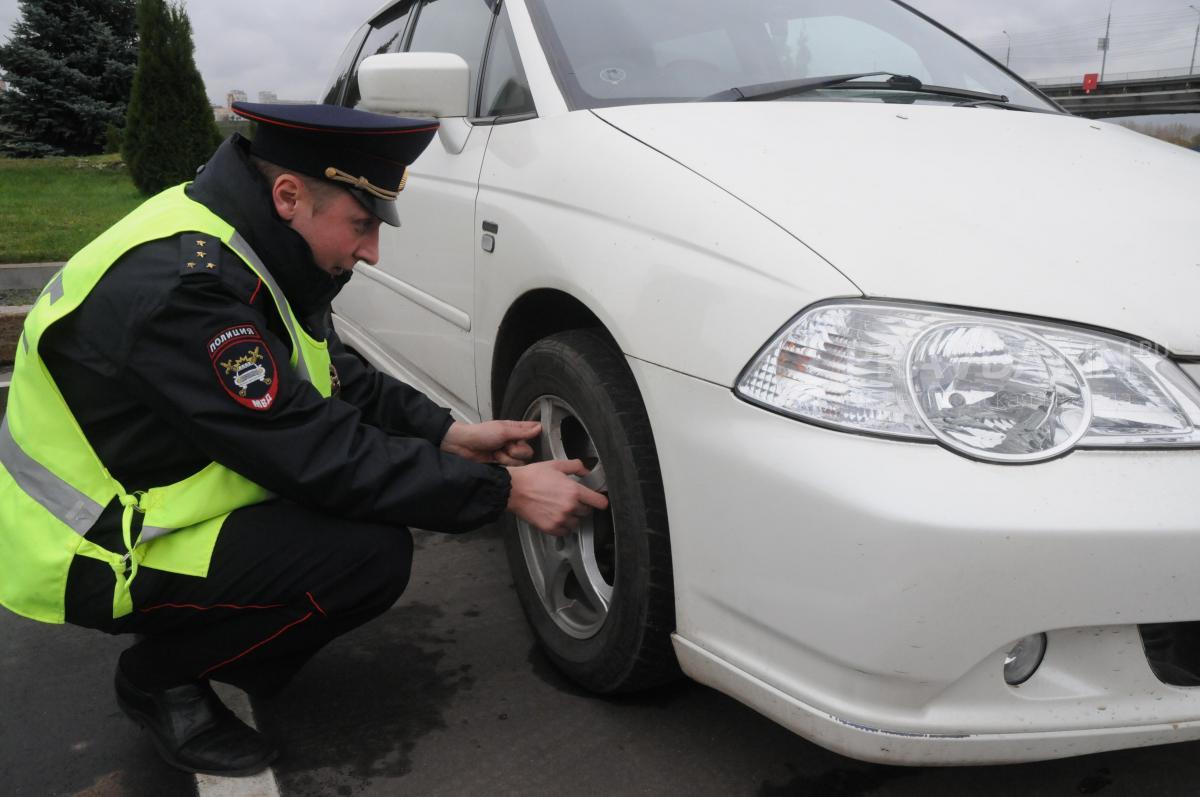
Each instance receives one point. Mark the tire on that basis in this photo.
(600, 601)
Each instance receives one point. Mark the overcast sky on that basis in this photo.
(290, 46)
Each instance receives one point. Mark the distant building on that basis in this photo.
(273, 98)
(225, 113)
(234, 95)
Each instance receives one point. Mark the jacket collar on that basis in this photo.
(233, 189)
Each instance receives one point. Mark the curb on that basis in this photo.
(18, 284)
(12, 320)
(27, 276)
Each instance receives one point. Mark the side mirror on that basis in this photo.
(415, 84)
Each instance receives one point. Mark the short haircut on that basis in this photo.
(323, 191)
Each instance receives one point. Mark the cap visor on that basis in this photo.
(383, 209)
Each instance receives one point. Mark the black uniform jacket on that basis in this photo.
(137, 365)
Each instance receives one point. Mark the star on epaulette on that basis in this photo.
(195, 257)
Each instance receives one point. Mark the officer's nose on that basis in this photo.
(368, 247)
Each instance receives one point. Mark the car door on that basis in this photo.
(417, 302)
(505, 103)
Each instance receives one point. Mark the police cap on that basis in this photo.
(366, 153)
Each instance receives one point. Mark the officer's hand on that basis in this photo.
(545, 496)
(493, 441)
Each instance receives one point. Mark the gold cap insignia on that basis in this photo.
(365, 184)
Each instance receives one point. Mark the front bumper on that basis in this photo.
(864, 591)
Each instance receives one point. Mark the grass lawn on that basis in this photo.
(51, 207)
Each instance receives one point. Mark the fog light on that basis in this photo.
(1022, 661)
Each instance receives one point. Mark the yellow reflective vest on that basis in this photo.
(53, 487)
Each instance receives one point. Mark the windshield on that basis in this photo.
(620, 52)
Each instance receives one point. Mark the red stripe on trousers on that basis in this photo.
(256, 645)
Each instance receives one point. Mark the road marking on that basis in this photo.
(261, 785)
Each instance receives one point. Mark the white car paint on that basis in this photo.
(860, 591)
(435, 83)
(1042, 214)
(646, 244)
(431, 322)
(864, 592)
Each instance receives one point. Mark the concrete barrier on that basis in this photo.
(12, 319)
(26, 276)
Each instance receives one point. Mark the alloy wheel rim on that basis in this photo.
(572, 575)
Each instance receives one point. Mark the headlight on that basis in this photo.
(990, 387)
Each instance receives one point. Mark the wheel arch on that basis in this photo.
(533, 316)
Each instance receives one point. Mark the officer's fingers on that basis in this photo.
(522, 430)
(515, 454)
(592, 498)
(571, 467)
(553, 531)
(504, 459)
(521, 451)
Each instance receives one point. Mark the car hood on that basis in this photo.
(1041, 214)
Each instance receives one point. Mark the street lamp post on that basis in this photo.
(1008, 54)
(1105, 42)
(1192, 65)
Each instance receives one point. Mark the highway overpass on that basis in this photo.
(1130, 94)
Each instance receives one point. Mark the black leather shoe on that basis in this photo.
(193, 730)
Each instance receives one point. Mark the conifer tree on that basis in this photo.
(169, 128)
(69, 65)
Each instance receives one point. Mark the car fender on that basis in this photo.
(648, 246)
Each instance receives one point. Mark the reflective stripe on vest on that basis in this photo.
(53, 487)
(59, 498)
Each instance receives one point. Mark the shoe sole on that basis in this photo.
(144, 722)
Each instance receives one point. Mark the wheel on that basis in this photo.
(601, 600)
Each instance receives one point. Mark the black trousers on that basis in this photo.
(283, 582)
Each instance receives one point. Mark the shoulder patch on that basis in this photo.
(199, 254)
(244, 366)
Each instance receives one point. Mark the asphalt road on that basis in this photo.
(447, 695)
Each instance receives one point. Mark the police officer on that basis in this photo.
(190, 455)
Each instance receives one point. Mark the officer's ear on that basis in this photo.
(287, 193)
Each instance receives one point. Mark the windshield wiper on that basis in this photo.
(1004, 104)
(895, 82)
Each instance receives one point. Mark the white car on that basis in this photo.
(888, 365)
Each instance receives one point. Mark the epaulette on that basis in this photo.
(199, 254)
